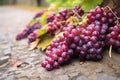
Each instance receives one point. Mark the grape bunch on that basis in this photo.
(57, 54)
(39, 14)
(28, 30)
(86, 42)
(32, 36)
(104, 16)
(113, 38)
(59, 21)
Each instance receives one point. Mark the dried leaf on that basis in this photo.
(45, 42)
(34, 44)
(17, 64)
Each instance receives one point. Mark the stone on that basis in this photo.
(29, 60)
(117, 72)
(23, 78)
(61, 77)
(10, 77)
(4, 59)
(118, 78)
(82, 78)
(0, 74)
(1, 78)
(33, 55)
(106, 77)
(59, 71)
(7, 52)
(99, 70)
(73, 74)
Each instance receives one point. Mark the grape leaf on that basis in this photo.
(87, 5)
(43, 18)
(32, 22)
(84, 19)
(42, 31)
(45, 41)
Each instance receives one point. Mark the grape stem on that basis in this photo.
(76, 14)
(110, 51)
(113, 12)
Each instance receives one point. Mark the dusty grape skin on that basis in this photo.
(27, 31)
(113, 38)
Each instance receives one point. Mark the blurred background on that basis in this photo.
(24, 2)
(41, 3)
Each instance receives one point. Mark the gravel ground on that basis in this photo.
(12, 21)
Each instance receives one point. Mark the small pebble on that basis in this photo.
(99, 70)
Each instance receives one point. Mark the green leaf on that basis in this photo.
(42, 31)
(32, 22)
(45, 42)
(87, 5)
(43, 18)
(47, 39)
(84, 19)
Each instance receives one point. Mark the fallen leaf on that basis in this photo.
(17, 64)
(34, 44)
(45, 42)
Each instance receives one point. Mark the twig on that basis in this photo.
(110, 51)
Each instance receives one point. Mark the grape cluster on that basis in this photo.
(32, 36)
(56, 54)
(86, 42)
(113, 38)
(93, 42)
(76, 42)
(51, 17)
(103, 16)
(58, 21)
(28, 30)
(39, 14)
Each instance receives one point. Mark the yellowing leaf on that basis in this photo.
(87, 5)
(32, 22)
(43, 18)
(47, 39)
(42, 31)
(84, 19)
(34, 44)
(45, 42)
